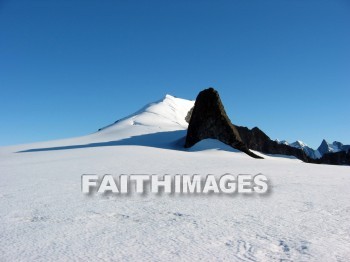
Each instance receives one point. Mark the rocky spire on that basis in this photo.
(209, 120)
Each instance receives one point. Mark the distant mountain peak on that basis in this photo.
(336, 146)
(298, 143)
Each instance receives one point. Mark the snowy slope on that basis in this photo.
(45, 217)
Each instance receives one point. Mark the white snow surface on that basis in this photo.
(45, 216)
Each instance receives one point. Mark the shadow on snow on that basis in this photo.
(173, 140)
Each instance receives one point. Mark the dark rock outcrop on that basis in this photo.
(336, 158)
(257, 140)
(208, 119)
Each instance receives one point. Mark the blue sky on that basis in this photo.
(68, 68)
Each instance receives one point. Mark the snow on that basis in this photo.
(308, 150)
(45, 217)
(334, 148)
(298, 144)
(324, 148)
(284, 142)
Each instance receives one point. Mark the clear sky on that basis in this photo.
(69, 67)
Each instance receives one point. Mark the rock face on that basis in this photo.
(188, 116)
(208, 119)
(337, 158)
(257, 140)
(324, 148)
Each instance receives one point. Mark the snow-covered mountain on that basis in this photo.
(308, 150)
(162, 115)
(324, 148)
(45, 216)
(284, 142)
(334, 147)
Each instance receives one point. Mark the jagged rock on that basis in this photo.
(209, 120)
(336, 158)
(257, 140)
(324, 148)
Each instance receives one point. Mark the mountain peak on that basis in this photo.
(298, 144)
(326, 147)
(166, 113)
(168, 96)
